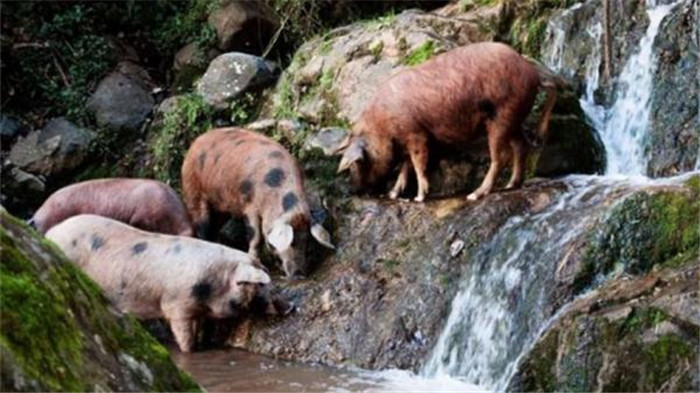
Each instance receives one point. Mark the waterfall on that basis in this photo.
(501, 307)
(623, 126)
(502, 304)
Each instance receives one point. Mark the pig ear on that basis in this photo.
(281, 236)
(343, 145)
(251, 274)
(355, 152)
(322, 236)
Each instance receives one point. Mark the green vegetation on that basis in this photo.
(422, 53)
(190, 117)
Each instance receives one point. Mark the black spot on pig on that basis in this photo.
(246, 188)
(276, 154)
(289, 201)
(96, 242)
(202, 158)
(138, 248)
(216, 158)
(274, 177)
(488, 108)
(201, 291)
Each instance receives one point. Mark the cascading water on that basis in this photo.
(502, 305)
(623, 127)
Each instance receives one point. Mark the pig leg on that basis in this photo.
(183, 330)
(401, 180)
(516, 178)
(418, 150)
(252, 226)
(199, 213)
(496, 146)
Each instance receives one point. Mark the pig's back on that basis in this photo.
(121, 199)
(237, 166)
(454, 92)
(137, 268)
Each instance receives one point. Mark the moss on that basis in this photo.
(539, 374)
(173, 135)
(663, 359)
(420, 54)
(51, 314)
(644, 232)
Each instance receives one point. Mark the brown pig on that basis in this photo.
(146, 204)
(250, 176)
(160, 276)
(449, 100)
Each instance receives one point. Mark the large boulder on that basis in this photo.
(122, 100)
(58, 332)
(637, 335)
(58, 148)
(243, 26)
(232, 74)
(383, 299)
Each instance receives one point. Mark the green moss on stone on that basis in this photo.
(643, 232)
(420, 54)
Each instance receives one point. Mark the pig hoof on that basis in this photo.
(473, 197)
(419, 198)
(393, 195)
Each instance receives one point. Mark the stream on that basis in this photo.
(241, 371)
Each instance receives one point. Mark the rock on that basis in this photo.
(627, 336)
(327, 139)
(393, 274)
(122, 100)
(232, 74)
(58, 332)
(9, 130)
(56, 149)
(674, 137)
(243, 26)
(331, 79)
(191, 56)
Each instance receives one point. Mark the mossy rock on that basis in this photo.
(58, 332)
(631, 335)
(646, 231)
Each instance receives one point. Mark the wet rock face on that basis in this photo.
(674, 139)
(232, 74)
(383, 299)
(58, 333)
(122, 100)
(56, 149)
(631, 335)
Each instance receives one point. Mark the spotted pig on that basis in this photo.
(250, 176)
(151, 275)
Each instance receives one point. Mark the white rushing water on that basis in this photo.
(500, 309)
(623, 126)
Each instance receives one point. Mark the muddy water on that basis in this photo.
(240, 371)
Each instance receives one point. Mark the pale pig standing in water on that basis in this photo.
(245, 174)
(161, 276)
(450, 100)
(146, 204)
